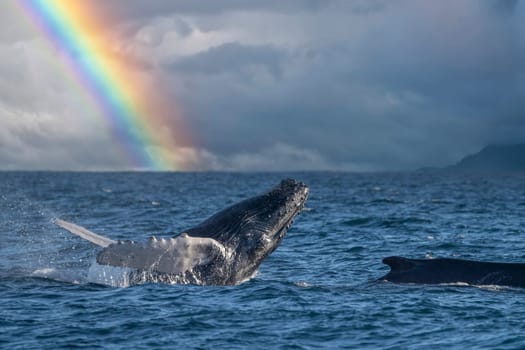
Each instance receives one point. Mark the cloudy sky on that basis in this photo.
(283, 84)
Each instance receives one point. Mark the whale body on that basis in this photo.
(225, 249)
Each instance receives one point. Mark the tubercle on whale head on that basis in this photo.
(272, 214)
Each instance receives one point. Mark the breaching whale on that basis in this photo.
(442, 271)
(225, 249)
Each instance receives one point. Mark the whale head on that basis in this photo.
(252, 229)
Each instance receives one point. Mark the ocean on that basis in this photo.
(318, 290)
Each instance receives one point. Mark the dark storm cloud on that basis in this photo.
(147, 9)
(504, 6)
(313, 104)
(404, 96)
(278, 85)
(231, 57)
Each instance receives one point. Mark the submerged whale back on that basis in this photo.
(440, 271)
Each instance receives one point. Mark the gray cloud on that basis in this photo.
(41, 142)
(399, 97)
(138, 8)
(349, 85)
(231, 57)
(504, 6)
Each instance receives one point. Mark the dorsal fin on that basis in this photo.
(399, 264)
(85, 233)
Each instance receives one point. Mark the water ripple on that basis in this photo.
(318, 290)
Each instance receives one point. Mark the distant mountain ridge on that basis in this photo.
(494, 158)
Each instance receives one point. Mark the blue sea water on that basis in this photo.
(317, 290)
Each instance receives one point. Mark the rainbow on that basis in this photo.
(139, 116)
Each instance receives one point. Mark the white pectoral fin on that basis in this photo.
(84, 233)
(172, 256)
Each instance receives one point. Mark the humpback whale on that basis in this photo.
(440, 271)
(225, 249)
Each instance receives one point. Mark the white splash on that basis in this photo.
(489, 287)
(113, 276)
(456, 284)
(302, 284)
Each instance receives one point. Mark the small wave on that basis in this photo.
(386, 201)
(444, 246)
(401, 221)
(68, 276)
(253, 275)
(456, 284)
(357, 221)
(302, 284)
(493, 287)
(489, 287)
(439, 201)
